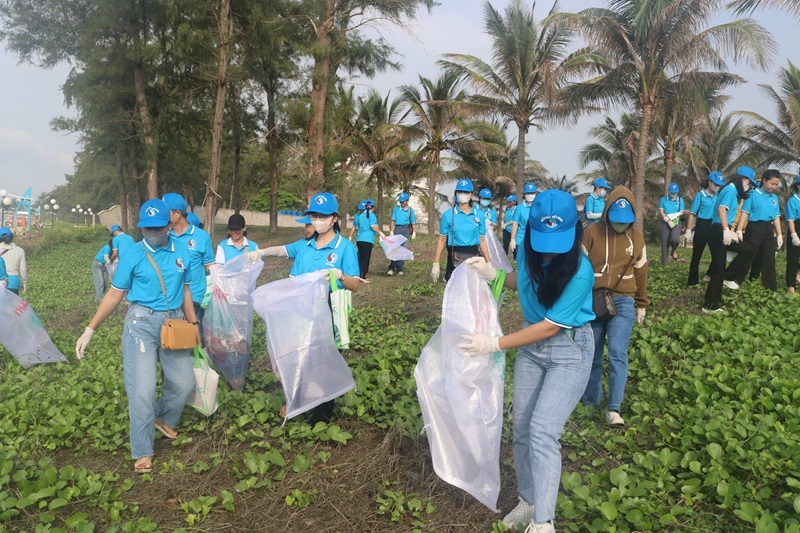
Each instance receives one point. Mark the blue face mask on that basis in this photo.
(485, 203)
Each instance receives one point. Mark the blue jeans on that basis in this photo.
(618, 331)
(405, 231)
(549, 378)
(99, 275)
(141, 350)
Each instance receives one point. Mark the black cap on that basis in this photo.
(236, 222)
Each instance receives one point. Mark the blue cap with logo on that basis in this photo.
(464, 186)
(716, 178)
(673, 188)
(175, 201)
(403, 197)
(747, 172)
(529, 187)
(193, 219)
(621, 211)
(552, 219)
(114, 228)
(485, 193)
(601, 182)
(303, 220)
(5, 233)
(511, 198)
(154, 214)
(323, 203)
(362, 205)
(370, 201)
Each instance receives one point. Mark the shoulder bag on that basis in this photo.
(176, 333)
(602, 298)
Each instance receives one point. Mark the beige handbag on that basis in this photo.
(176, 333)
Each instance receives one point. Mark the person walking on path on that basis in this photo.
(137, 278)
(15, 262)
(508, 220)
(596, 202)
(698, 227)
(402, 223)
(237, 242)
(670, 209)
(367, 225)
(99, 272)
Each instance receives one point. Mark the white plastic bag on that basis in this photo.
(22, 333)
(206, 381)
(228, 320)
(111, 268)
(394, 250)
(497, 255)
(462, 397)
(300, 341)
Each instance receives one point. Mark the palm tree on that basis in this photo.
(614, 150)
(720, 147)
(648, 45)
(779, 144)
(529, 63)
(748, 6)
(562, 183)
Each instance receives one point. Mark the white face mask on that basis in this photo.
(672, 195)
(463, 197)
(485, 203)
(530, 196)
(602, 193)
(746, 185)
(714, 187)
(619, 227)
(322, 225)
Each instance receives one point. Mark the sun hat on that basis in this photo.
(465, 186)
(175, 201)
(485, 193)
(621, 211)
(154, 214)
(747, 172)
(552, 219)
(323, 203)
(601, 182)
(236, 221)
(529, 187)
(716, 178)
(673, 188)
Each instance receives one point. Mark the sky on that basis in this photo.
(31, 154)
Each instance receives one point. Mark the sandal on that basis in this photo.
(165, 430)
(143, 465)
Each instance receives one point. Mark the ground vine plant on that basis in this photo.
(713, 435)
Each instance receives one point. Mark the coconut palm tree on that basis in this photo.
(614, 151)
(648, 45)
(562, 183)
(720, 146)
(748, 6)
(529, 63)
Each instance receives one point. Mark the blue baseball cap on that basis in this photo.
(552, 219)
(362, 205)
(370, 201)
(529, 187)
(154, 214)
(5, 233)
(175, 201)
(601, 182)
(717, 178)
(193, 219)
(747, 172)
(403, 197)
(465, 186)
(303, 220)
(323, 203)
(621, 211)
(511, 198)
(485, 193)
(673, 188)
(114, 228)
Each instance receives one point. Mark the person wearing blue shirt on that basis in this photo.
(521, 216)
(596, 202)
(462, 231)
(99, 272)
(763, 231)
(3, 274)
(402, 223)
(670, 209)
(484, 207)
(120, 241)
(150, 305)
(555, 347)
(328, 250)
(237, 243)
(698, 227)
(366, 223)
(508, 220)
(730, 213)
(194, 220)
(793, 243)
(201, 251)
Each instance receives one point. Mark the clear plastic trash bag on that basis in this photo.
(300, 341)
(497, 255)
(394, 250)
(228, 320)
(111, 268)
(22, 333)
(462, 397)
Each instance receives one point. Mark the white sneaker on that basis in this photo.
(706, 278)
(547, 527)
(717, 310)
(521, 514)
(390, 273)
(400, 273)
(613, 418)
(731, 285)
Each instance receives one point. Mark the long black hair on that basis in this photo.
(737, 182)
(562, 268)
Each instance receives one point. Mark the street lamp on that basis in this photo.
(6, 201)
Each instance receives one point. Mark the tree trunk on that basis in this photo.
(216, 137)
(641, 162)
(669, 155)
(320, 82)
(123, 194)
(148, 133)
(432, 196)
(379, 207)
(343, 207)
(521, 160)
(135, 194)
(236, 202)
(272, 149)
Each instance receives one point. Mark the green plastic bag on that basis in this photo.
(341, 305)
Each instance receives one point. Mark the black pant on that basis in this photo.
(321, 413)
(506, 240)
(792, 261)
(463, 253)
(364, 255)
(200, 312)
(713, 297)
(761, 240)
(670, 238)
(702, 233)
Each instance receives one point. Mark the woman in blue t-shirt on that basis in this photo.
(366, 223)
(670, 209)
(698, 228)
(555, 348)
(793, 243)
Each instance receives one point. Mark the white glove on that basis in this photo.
(665, 219)
(512, 246)
(689, 235)
(486, 270)
(479, 344)
(740, 235)
(729, 237)
(435, 272)
(780, 242)
(640, 313)
(795, 239)
(274, 251)
(105, 258)
(255, 255)
(391, 232)
(83, 342)
(382, 234)
(24, 288)
(3, 283)
(414, 235)
(215, 266)
(337, 273)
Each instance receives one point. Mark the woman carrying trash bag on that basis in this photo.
(554, 349)
(670, 207)
(462, 230)
(138, 277)
(698, 228)
(325, 250)
(236, 243)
